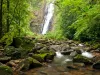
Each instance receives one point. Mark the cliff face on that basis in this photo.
(36, 23)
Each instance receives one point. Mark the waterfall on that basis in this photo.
(48, 17)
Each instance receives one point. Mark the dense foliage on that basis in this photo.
(15, 17)
(79, 19)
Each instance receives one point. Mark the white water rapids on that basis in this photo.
(48, 17)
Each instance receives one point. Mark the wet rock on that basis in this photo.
(50, 56)
(96, 65)
(64, 47)
(74, 53)
(79, 51)
(5, 70)
(75, 48)
(4, 59)
(55, 47)
(44, 56)
(28, 63)
(37, 47)
(72, 68)
(40, 57)
(97, 51)
(82, 59)
(79, 64)
(67, 52)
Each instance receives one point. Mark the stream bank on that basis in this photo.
(31, 56)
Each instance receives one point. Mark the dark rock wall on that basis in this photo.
(36, 23)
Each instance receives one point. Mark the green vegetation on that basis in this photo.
(15, 18)
(77, 19)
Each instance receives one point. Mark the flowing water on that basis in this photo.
(58, 67)
(48, 17)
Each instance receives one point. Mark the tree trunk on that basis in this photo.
(8, 24)
(1, 3)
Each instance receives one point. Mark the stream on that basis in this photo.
(58, 67)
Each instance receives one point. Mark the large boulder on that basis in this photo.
(82, 59)
(55, 47)
(5, 70)
(15, 53)
(28, 63)
(42, 57)
(96, 65)
(38, 46)
(67, 52)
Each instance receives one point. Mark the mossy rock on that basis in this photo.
(4, 59)
(28, 43)
(40, 57)
(96, 46)
(28, 63)
(44, 50)
(23, 42)
(50, 55)
(82, 59)
(5, 70)
(9, 50)
(44, 56)
(37, 47)
(16, 53)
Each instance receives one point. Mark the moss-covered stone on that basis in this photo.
(40, 57)
(9, 50)
(38, 46)
(44, 56)
(80, 58)
(28, 63)
(95, 46)
(24, 42)
(4, 59)
(15, 53)
(50, 55)
(5, 70)
(44, 50)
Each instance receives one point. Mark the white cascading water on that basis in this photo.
(48, 17)
(62, 59)
(58, 54)
(85, 53)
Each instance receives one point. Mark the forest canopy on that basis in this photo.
(78, 19)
